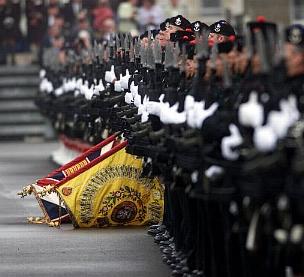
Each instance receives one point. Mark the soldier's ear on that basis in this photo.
(220, 38)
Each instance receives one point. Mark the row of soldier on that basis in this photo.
(218, 117)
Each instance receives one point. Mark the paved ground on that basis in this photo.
(38, 250)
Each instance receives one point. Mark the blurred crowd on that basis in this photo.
(35, 25)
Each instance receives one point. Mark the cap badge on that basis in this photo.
(218, 28)
(295, 36)
(196, 27)
(178, 21)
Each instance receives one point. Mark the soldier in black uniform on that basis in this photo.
(225, 182)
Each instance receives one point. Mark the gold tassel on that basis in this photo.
(28, 190)
(46, 190)
(36, 220)
(54, 224)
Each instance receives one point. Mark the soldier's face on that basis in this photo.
(190, 68)
(144, 42)
(173, 29)
(294, 60)
(216, 38)
(164, 35)
(163, 38)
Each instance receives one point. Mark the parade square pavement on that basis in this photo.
(38, 250)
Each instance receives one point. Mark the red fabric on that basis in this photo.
(261, 19)
(48, 179)
(75, 144)
(85, 154)
(96, 161)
